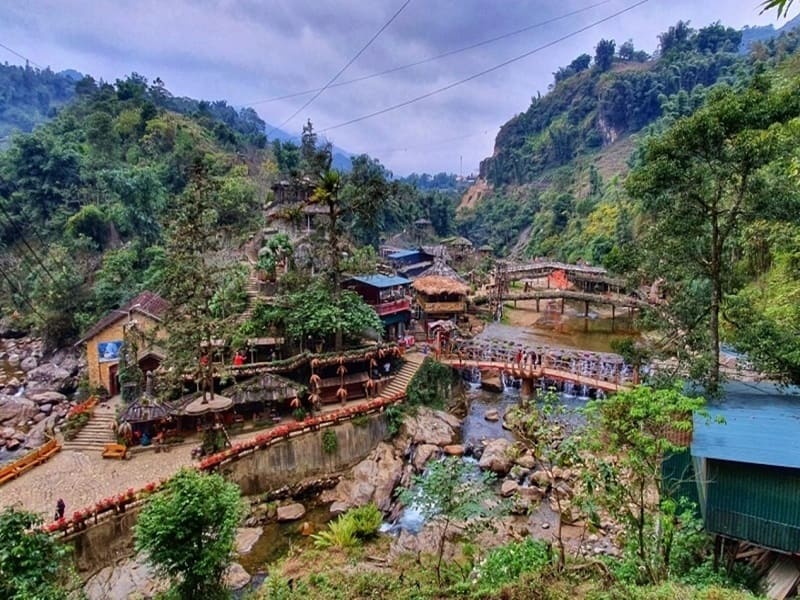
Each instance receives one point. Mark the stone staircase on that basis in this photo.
(253, 293)
(95, 434)
(404, 375)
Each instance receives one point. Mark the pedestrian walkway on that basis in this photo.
(81, 477)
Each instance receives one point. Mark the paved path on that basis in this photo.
(82, 478)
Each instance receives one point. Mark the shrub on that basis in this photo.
(505, 564)
(431, 385)
(394, 419)
(367, 518)
(341, 533)
(330, 443)
(351, 528)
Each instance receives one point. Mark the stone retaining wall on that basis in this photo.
(262, 470)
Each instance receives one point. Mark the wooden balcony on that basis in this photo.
(395, 306)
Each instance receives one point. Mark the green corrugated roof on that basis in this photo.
(761, 426)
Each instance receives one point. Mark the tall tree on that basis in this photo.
(699, 183)
(639, 428)
(194, 273)
(187, 532)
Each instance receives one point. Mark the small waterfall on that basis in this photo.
(510, 384)
(472, 377)
(19, 392)
(584, 394)
(569, 389)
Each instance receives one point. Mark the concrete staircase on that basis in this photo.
(95, 434)
(404, 375)
(253, 293)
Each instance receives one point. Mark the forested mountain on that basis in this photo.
(87, 198)
(555, 169)
(31, 96)
(683, 170)
(765, 33)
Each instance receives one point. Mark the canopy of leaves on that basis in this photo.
(187, 531)
(317, 312)
(105, 169)
(33, 564)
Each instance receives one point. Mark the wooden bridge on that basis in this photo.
(537, 373)
(543, 268)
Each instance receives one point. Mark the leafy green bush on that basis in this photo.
(367, 518)
(505, 564)
(394, 419)
(341, 533)
(330, 443)
(351, 528)
(431, 385)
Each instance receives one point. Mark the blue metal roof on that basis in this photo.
(762, 426)
(381, 281)
(402, 254)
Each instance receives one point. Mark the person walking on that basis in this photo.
(60, 508)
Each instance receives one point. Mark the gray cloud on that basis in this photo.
(249, 50)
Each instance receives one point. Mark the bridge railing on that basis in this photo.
(592, 365)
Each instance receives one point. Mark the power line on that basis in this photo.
(16, 289)
(432, 58)
(25, 58)
(343, 69)
(484, 72)
(25, 242)
(428, 144)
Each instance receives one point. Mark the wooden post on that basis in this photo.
(537, 305)
(586, 310)
(527, 389)
(562, 305)
(613, 311)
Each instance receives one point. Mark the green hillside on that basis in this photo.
(554, 173)
(29, 97)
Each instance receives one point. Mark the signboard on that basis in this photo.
(109, 351)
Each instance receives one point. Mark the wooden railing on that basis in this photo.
(30, 460)
(114, 505)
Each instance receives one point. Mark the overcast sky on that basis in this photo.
(244, 51)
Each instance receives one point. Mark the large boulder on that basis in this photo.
(428, 426)
(48, 398)
(423, 454)
(496, 457)
(131, 578)
(236, 577)
(246, 537)
(291, 512)
(371, 480)
(15, 410)
(48, 376)
(29, 363)
(492, 384)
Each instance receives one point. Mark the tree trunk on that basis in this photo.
(441, 553)
(716, 300)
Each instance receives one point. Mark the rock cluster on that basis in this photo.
(33, 391)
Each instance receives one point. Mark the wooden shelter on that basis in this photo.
(440, 297)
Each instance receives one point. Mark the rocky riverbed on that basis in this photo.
(35, 390)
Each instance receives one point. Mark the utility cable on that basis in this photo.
(484, 72)
(16, 289)
(343, 69)
(25, 58)
(25, 242)
(432, 58)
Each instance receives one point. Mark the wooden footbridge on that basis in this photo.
(539, 373)
(600, 371)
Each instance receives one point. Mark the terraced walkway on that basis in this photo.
(81, 477)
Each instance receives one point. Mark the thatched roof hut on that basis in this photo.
(432, 285)
(146, 410)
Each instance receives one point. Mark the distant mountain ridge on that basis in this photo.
(764, 33)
